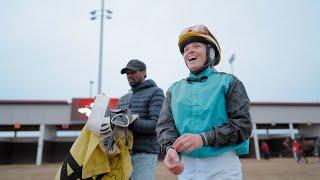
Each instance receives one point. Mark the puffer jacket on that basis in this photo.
(146, 100)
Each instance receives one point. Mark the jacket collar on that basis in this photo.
(207, 72)
(146, 84)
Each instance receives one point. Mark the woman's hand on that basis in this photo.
(172, 162)
(188, 143)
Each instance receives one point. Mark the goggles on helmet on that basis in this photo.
(199, 29)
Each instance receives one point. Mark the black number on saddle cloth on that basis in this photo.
(77, 170)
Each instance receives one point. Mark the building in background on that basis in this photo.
(43, 131)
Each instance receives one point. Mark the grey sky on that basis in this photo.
(49, 49)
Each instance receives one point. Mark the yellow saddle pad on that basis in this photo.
(87, 159)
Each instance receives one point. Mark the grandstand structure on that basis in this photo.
(43, 131)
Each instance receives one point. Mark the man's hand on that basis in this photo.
(172, 162)
(187, 143)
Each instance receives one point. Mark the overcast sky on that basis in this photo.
(49, 49)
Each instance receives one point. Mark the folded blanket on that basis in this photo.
(87, 159)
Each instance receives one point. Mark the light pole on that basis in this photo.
(231, 60)
(101, 14)
(91, 83)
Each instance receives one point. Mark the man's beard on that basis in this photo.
(134, 83)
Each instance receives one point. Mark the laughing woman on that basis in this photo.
(205, 122)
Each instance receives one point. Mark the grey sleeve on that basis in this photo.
(238, 126)
(166, 129)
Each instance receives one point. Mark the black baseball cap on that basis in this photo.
(134, 65)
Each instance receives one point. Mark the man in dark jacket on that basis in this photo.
(145, 99)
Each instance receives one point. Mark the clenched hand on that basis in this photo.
(172, 162)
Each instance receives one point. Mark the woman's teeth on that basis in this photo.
(192, 58)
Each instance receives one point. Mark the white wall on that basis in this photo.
(35, 114)
(267, 114)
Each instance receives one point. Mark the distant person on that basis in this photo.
(205, 117)
(265, 150)
(287, 144)
(317, 149)
(297, 149)
(145, 98)
(305, 148)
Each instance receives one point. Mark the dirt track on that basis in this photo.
(274, 169)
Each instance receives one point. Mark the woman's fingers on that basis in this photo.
(172, 162)
(181, 143)
(187, 143)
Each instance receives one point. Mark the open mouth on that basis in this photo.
(192, 58)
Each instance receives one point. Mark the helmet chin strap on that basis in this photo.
(211, 56)
(210, 59)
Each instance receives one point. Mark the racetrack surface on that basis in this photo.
(273, 169)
